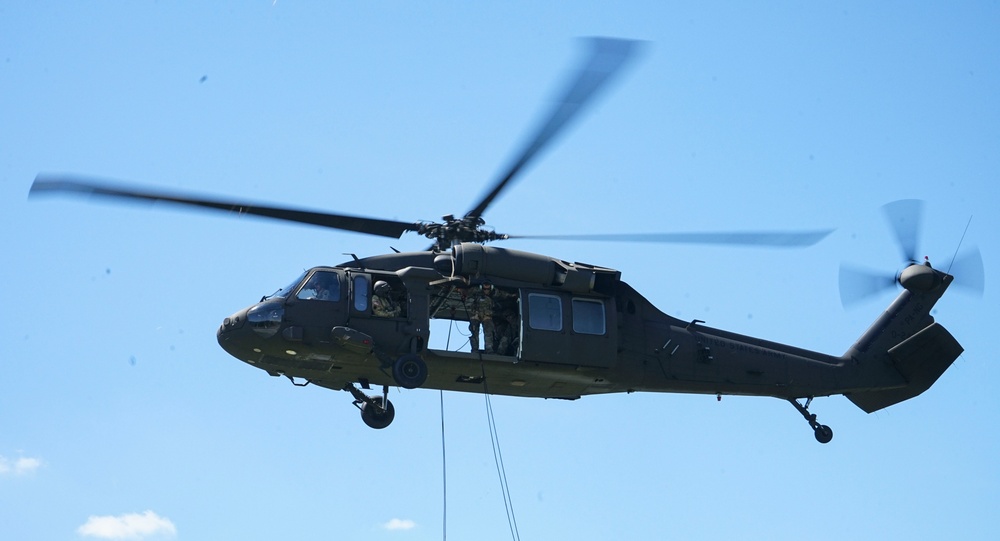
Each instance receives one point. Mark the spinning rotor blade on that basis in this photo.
(607, 57)
(904, 218)
(857, 284)
(969, 273)
(783, 239)
(67, 184)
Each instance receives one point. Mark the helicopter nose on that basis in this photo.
(233, 322)
(230, 333)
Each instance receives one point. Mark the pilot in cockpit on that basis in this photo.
(321, 287)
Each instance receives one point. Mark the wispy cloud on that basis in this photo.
(18, 466)
(399, 524)
(129, 526)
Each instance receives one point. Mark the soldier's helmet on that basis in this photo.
(381, 287)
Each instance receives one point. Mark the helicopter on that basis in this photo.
(553, 328)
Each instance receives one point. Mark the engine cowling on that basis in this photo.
(475, 260)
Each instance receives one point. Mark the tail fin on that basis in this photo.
(920, 360)
(904, 352)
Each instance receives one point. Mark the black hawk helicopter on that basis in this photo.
(559, 329)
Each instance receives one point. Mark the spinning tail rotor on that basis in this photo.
(905, 217)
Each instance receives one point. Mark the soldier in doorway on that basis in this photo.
(480, 308)
(506, 321)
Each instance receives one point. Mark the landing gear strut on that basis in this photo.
(823, 433)
(376, 411)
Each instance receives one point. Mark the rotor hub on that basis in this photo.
(918, 278)
(457, 230)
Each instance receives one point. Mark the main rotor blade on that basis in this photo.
(904, 217)
(71, 185)
(781, 239)
(607, 57)
(857, 284)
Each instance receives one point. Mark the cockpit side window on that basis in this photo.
(321, 286)
(360, 292)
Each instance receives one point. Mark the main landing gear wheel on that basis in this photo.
(376, 411)
(410, 371)
(823, 433)
(376, 416)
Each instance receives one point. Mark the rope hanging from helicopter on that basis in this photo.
(498, 459)
(444, 459)
(444, 477)
(497, 455)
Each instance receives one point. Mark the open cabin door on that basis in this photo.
(396, 319)
(559, 327)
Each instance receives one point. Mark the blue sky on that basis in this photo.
(120, 415)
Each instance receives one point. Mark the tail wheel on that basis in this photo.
(410, 371)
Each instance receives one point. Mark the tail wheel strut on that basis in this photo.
(823, 433)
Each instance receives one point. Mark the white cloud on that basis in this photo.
(400, 524)
(18, 466)
(129, 526)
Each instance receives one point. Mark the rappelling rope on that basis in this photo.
(444, 477)
(498, 458)
(444, 458)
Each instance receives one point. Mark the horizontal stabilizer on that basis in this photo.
(921, 359)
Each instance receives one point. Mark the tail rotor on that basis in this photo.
(858, 284)
(905, 218)
(969, 272)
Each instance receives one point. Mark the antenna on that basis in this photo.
(960, 241)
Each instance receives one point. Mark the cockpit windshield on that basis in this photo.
(287, 290)
(322, 286)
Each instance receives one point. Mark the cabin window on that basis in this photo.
(322, 286)
(544, 312)
(588, 316)
(361, 293)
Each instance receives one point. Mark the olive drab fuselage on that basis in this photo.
(581, 330)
